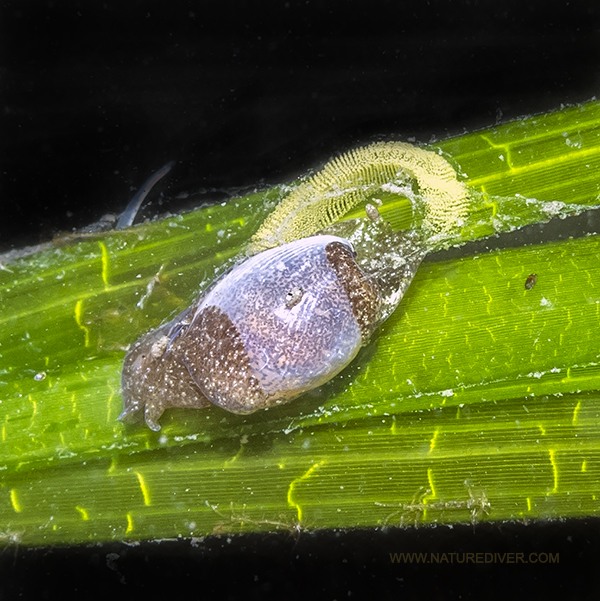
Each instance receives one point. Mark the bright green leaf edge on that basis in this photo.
(479, 400)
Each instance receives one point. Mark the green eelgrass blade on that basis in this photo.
(478, 400)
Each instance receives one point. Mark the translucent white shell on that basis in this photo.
(277, 325)
(293, 316)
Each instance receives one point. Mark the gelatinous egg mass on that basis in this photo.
(277, 325)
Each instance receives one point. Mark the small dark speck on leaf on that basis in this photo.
(531, 281)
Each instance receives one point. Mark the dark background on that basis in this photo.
(95, 96)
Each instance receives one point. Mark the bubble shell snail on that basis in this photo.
(290, 317)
